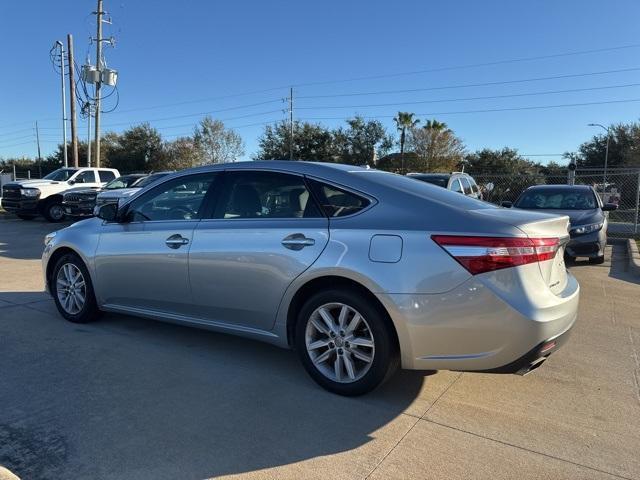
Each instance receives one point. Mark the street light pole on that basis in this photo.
(606, 152)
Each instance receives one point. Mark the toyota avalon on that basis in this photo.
(360, 271)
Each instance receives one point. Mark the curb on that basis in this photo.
(634, 256)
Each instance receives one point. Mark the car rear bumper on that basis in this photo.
(471, 328)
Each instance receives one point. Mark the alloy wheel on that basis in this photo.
(71, 288)
(340, 342)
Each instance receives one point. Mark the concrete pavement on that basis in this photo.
(136, 399)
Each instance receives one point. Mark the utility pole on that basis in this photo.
(39, 157)
(291, 123)
(72, 102)
(99, 14)
(88, 104)
(64, 103)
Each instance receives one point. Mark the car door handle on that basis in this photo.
(176, 241)
(297, 241)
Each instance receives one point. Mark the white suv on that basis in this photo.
(29, 198)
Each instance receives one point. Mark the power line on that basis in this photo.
(538, 107)
(195, 115)
(200, 100)
(468, 85)
(549, 92)
(16, 131)
(471, 65)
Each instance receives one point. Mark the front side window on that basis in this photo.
(181, 198)
(474, 185)
(87, 176)
(337, 202)
(265, 195)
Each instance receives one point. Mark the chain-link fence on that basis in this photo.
(622, 188)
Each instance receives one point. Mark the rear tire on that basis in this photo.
(53, 211)
(597, 260)
(352, 357)
(72, 290)
(25, 217)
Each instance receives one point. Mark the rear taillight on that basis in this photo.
(484, 254)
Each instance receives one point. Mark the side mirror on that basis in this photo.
(71, 182)
(108, 212)
(489, 187)
(506, 204)
(608, 207)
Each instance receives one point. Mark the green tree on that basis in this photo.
(362, 142)
(503, 161)
(624, 148)
(135, 150)
(215, 143)
(436, 146)
(176, 155)
(404, 121)
(311, 142)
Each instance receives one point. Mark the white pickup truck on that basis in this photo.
(29, 198)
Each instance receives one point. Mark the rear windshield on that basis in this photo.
(435, 180)
(422, 189)
(557, 199)
(122, 182)
(149, 180)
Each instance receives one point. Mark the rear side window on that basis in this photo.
(336, 202)
(88, 176)
(106, 176)
(257, 194)
(455, 186)
(465, 185)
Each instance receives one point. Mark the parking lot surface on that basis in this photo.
(128, 398)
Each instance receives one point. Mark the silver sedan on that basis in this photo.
(359, 270)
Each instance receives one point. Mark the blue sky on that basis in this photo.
(192, 53)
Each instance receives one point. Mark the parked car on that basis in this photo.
(30, 198)
(456, 181)
(118, 195)
(81, 203)
(585, 210)
(359, 270)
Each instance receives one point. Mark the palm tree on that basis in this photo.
(435, 125)
(404, 121)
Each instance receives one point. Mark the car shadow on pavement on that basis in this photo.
(124, 397)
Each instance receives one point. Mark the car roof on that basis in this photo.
(429, 175)
(564, 187)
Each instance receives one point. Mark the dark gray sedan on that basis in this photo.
(585, 210)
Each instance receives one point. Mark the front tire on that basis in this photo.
(597, 260)
(345, 343)
(72, 290)
(54, 211)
